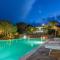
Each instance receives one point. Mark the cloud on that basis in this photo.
(27, 7)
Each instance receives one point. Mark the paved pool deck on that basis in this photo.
(42, 53)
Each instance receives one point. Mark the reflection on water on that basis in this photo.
(15, 49)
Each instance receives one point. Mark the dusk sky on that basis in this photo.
(29, 11)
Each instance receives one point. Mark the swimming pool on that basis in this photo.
(17, 48)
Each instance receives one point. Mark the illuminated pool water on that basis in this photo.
(17, 48)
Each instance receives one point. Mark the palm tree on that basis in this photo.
(52, 25)
(7, 27)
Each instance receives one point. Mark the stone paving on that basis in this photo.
(41, 54)
(44, 54)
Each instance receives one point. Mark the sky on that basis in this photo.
(29, 11)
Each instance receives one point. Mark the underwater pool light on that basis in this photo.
(24, 36)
